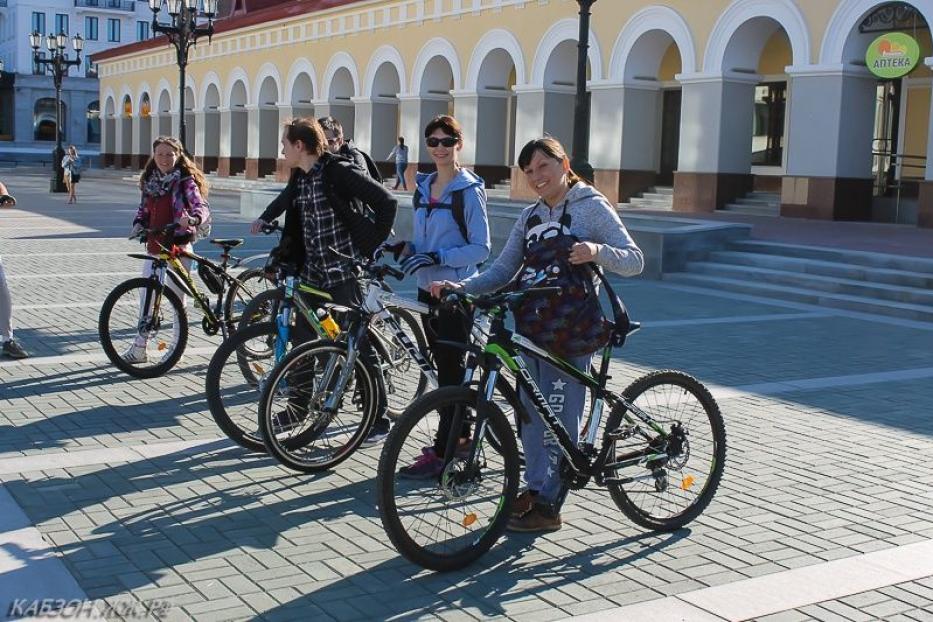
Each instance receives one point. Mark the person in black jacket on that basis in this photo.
(338, 144)
(326, 204)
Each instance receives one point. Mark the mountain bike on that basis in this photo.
(144, 312)
(661, 452)
(238, 370)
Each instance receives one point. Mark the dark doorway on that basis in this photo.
(768, 132)
(670, 137)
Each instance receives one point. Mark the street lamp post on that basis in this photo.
(581, 109)
(183, 34)
(59, 63)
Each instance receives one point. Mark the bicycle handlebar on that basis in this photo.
(487, 302)
(270, 227)
(144, 232)
(374, 270)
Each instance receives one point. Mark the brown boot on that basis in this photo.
(539, 519)
(523, 503)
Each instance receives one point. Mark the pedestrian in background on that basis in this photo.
(9, 347)
(72, 166)
(400, 153)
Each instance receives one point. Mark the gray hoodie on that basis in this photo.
(588, 216)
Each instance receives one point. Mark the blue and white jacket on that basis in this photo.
(435, 229)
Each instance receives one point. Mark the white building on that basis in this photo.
(27, 94)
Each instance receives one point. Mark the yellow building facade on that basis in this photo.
(715, 98)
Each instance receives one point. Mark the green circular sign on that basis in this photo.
(892, 55)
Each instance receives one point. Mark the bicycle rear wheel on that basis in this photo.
(295, 424)
(447, 519)
(247, 286)
(234, 382)
(142, 330)
(670, 492)
(262, 308)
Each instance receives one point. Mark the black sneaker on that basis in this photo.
(286, 420)
(14, 350)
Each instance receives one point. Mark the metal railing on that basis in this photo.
(890, 176)
(114, 5)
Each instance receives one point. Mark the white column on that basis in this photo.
(252, 132)
(606, 118)
(410, 124)
(529, 115)
(200, 138)
(363, 123)
(468, 113)
(716, 123)
(226, 118)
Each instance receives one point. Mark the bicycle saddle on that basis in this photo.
(227, 242)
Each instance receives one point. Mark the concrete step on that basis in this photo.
(759, 201)
(919, 313)
(902, 278)
(658, 196)
(839, 255)
(753, 210)
(645, 203)
(666, 190)
(827, 284)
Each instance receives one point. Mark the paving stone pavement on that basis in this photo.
(812, 475)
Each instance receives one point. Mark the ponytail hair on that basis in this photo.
(550, 147)
(183, 163)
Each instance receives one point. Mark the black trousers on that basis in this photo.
(347, 294)
(446, 326)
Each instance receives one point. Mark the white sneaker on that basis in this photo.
(136, 354)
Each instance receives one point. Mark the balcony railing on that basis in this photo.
(113, 5)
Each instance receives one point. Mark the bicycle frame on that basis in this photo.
(507, 348)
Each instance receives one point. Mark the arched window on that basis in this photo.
(43, 119)
(93, 122)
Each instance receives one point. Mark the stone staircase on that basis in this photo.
(656, 198)
(876, 283)
(756, 204)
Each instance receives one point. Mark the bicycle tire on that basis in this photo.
(104, 329)
(218, 402)
(286, 450)
(246, 292)
(630, 507)
(401, 366)
(476, 543)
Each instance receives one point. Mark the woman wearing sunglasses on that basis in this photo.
(450, 239)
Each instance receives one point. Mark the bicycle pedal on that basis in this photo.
(621, 433)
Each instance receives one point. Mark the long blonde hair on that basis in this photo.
(185, 164)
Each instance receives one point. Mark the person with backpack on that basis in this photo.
(450, 239)
(337, 144)
(72, 166)
(556, 242)
(173, 190)
(399, 154)
(8, 346)
(329, 203)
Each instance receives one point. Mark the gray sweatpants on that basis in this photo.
(6, 308)
(567, 398)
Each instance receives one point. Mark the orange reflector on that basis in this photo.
(469, 519)
(687, 482)
(162, 346)
(259, 368)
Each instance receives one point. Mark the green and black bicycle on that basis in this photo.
(661, 452)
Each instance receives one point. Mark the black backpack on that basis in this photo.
(359, 218)
(456, 210)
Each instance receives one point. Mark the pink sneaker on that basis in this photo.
(427, 466)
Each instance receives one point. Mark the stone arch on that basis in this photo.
(301, 86)
(743, 29)
(211, 79)
(839, 45)
(164, 107)
(641, 44)
(426, 59)
(236, 76)
(561, 32)
(109, 126)
(384, 55)
(268, 84)
(345, 62)
(493, 75)
(497, 39)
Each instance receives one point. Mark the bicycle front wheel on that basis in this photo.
(143, 328)
(314, 411)
(234, 382)
(444, 517)
(669, 492)
(404, 380)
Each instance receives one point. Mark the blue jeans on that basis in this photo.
(567, 398)
(400, 175)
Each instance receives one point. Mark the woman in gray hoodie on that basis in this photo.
(567, 207)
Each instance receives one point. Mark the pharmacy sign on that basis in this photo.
(892, 55)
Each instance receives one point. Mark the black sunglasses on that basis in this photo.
(447, 141)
